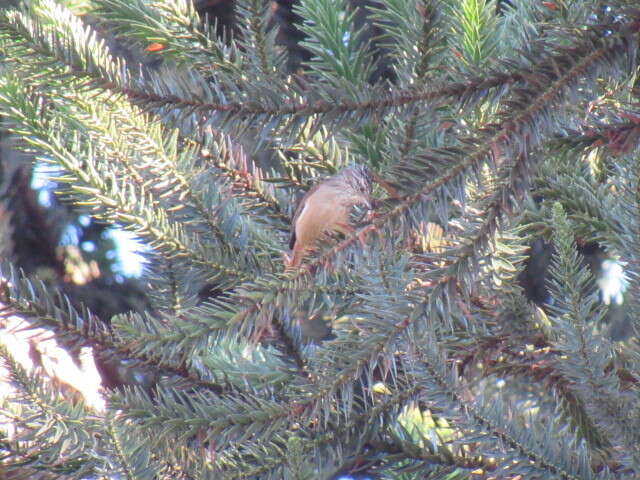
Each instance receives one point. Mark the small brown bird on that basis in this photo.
(326, 208)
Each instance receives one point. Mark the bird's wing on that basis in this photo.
(299, 210)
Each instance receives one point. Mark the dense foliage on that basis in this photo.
(506, 135)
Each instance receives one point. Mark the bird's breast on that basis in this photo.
(322, 212)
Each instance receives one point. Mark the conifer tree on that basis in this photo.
(407, 349)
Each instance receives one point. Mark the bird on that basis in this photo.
(326, 208)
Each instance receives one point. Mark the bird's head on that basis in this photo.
(359, 180)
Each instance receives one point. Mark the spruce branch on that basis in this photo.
(508, 357)
(133, 460)
(257, 39)
(45, 421)
(404, 456)
(180, 340)
(32, 301)
(160, 94)
(476, 30)
(62, 45)
(161, 165)
(359, 350)
(338, 55)
(477, 418)
(177, 416)
(522, 113)
(176, 26)
(530, 105)
(619, 137)
(591, 210)
(586, 356)
(526, 116)
(71, 45)
(252, 460)
(97, 183)
(209, 362)
(98, 70)
(202, 162)
(412, 32)
(250, 182)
